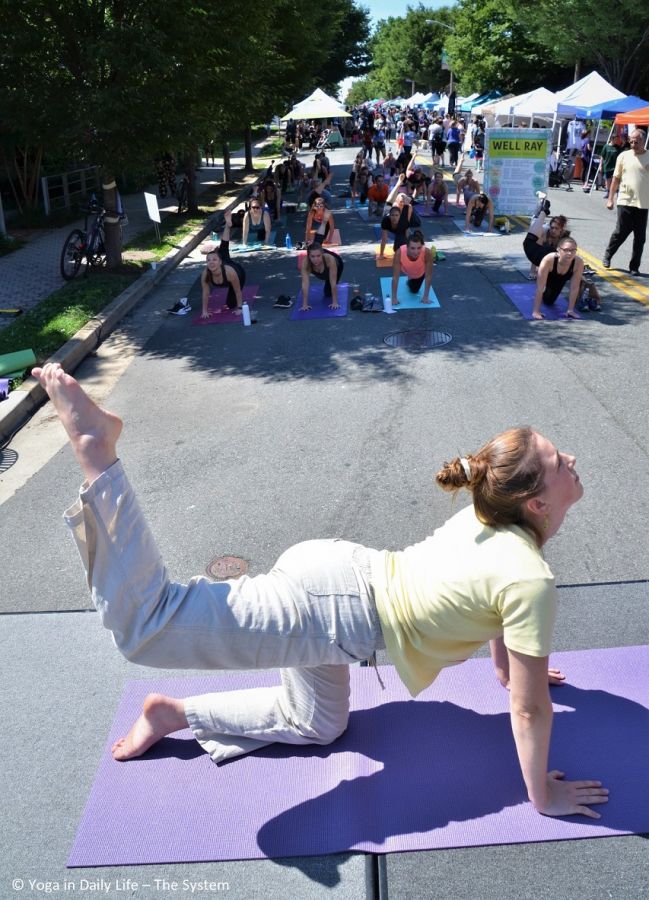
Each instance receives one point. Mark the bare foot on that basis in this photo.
(160, 716)
(93, 432)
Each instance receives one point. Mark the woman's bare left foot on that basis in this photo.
(160, 716)
(93, 431)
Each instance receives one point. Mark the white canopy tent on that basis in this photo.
(317, 105)
(588, 91)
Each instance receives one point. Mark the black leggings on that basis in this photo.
(534, 250)
(224, 252)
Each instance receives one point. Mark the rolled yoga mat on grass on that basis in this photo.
(521, 294)
(320, 304)
(220, 312)
(13, 365)
(408, 300)
(432, 773)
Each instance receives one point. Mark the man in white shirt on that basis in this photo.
(631, 184)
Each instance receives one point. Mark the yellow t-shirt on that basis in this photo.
(440, 600)
(634, 179)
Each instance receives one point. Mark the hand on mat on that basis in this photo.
(305, 307)
(556, 676)
(570, 798)
(334, 305)
(538, 316)
(208, 314)
(426, 300)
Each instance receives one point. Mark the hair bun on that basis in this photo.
(455, 474)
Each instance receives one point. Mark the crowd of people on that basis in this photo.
(479, 578)
(397, 189)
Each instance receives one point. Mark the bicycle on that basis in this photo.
(87, 244)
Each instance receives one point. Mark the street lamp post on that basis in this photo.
(444, 65)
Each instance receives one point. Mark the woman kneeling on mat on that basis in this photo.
(555, 271)
(327, 603)
(221, 271)
(415, 260)
(256, 223)
(315, 219)
(324, 264)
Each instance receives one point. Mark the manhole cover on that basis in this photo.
(7, 459)
(423, 339)
(223, 567)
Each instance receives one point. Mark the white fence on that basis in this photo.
(63, 191)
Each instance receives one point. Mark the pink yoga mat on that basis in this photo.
(220, 313)
(436, 772)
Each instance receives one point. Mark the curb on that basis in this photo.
(22, 403)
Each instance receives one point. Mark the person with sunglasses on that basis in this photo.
(256, 223)
(555, 271)
(631, 184)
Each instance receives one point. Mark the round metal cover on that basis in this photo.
(7, 459)
(419, 339)
(224, 567)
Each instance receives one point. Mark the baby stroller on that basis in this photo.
(561, 171)
(323, 141)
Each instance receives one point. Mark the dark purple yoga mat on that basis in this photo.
(522, 296)
(320, 304)
(220, 313)
(436, 772)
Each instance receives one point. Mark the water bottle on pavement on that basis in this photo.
(289, 242)
(245, 313)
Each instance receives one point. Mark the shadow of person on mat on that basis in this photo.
(436, 764)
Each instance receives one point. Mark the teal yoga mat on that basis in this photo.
(407, 300)
(255, 245)
(12, 365)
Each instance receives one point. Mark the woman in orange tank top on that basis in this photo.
(415, 261)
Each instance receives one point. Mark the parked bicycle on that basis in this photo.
(89, 244)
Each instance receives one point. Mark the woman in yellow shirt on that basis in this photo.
(480, 577)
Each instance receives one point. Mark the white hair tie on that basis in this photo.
(464, 462)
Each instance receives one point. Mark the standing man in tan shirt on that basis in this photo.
(631, 178)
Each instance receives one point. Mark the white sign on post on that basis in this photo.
(152, 207)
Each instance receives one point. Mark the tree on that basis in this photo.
(491, 48)
(409, 50)
(613, 37)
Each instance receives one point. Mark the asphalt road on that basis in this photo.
(245, 440)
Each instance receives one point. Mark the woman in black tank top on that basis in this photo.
(555, 271)
(221, 271)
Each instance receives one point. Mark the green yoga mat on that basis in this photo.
(12, 365)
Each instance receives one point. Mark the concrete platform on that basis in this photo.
(245, 440)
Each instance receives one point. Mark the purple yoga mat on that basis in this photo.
(522, 296)
(220, 313)
(320, 304)
(436, 772)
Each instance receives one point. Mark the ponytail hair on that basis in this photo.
(501, 476)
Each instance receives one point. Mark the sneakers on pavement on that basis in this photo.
(606, 263)
(634, 273)
(181, 308)
(283, 302)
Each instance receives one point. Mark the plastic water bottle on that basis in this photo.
(289, 242)
(245, 314)
(214, 237)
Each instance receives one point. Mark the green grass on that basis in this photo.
(49, 325)
(273, 149)
(172, 232)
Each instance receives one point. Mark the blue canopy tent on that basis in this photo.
(469, 103)
(610, 109)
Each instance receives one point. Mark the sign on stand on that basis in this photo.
(153, 211)
(517, 162)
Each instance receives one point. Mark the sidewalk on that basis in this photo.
(32, 273)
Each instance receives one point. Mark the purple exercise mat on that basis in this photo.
(220, 313)
(522, 296)
(436, 772)
(320, 303)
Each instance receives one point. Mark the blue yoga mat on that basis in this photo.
(255, 245)
(436, 772)
(521, 295)
(459, 224)
(320, 304)
(408, 300)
